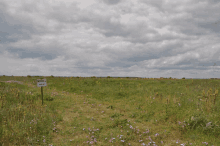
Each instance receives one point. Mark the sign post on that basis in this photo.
(41, 83)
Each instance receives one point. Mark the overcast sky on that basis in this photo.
(125, 38)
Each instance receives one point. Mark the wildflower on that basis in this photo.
(208, 124)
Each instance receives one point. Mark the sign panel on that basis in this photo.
(41, 82)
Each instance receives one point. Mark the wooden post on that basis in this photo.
(42, 94)
(41, 83)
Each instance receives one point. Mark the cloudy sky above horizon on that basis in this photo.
(132, 38)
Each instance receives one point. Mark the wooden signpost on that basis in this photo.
(41, 83)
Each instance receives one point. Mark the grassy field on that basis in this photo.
(109, 111)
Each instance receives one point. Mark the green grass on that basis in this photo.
(93, 111)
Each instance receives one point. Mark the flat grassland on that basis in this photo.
(109, 111)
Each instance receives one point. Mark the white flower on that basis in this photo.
(208, 124)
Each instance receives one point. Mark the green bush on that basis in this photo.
(111, 107)
(74, 89)
(200, 122)
(121, 95)
(135, 115)
(116, 115)
(119, 122)
(49, 98)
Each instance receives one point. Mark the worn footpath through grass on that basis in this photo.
(87, 121)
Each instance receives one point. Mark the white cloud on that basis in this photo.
(110, 38)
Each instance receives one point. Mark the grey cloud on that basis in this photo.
(25, 53)
(110, 2)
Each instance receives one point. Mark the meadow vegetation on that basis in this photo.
(109, 111)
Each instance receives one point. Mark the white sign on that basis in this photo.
(41, 82)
